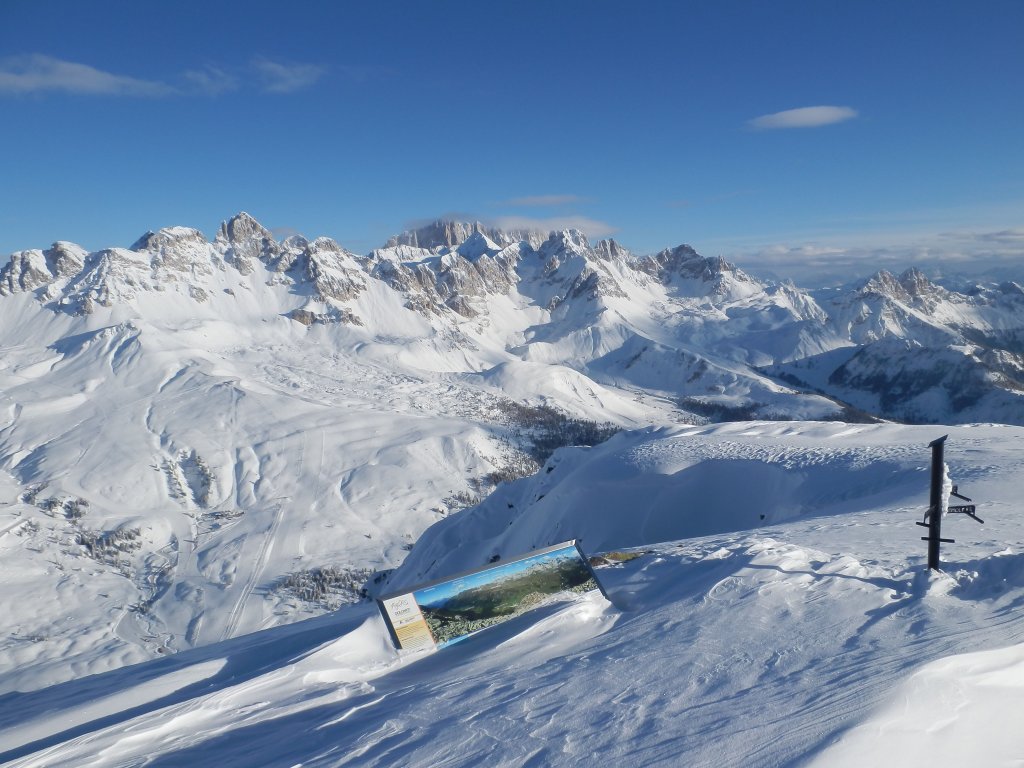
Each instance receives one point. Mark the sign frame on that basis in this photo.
(403, 613)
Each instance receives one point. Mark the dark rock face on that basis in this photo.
(609, 250)
(170, 239)
(450, 234)
(31, 269)
(24, 272)
(332, 271)
(244, 240)
(64, 259)
(307, 317)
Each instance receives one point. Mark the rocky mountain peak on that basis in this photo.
(243, 240)
(169, 238)
(24, 272)
(707, 276)
(324, 245)
(915, 283)
(28, 270)
(884, 283)
(911, 287)
(177, 255)
(294, 243)
(719, 264)
(332, 271)
(679, 255)
(438, 234)
(242, 228)
(445, 233)
(565, 241)
(477, 245)
(610, 250)
(65, 259)
(681, 260)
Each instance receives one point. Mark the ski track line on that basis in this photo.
(266, 547)
(19, 522)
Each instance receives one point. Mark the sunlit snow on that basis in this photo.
(190, 431)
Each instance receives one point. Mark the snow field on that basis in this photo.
(768, 645)
(176, 451)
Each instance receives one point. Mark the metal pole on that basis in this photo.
(935, 503)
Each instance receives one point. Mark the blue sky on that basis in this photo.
(780, 134)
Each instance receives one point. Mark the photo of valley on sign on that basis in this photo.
(459, 607)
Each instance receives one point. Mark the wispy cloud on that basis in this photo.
(1009, 237)
(804, 117)
(286, 78)
(592, 228)
(284, 232)
(39, 73)
(839, 258)
(451, 215)
(36, 73)
(540, 201)
(211, 80)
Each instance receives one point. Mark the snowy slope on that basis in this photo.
(203, 438)
(952, 711)
(186, 428)
(756, 642)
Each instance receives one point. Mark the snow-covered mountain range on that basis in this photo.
(474, 299)
(199, 439)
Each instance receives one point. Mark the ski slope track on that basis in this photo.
(818, 637)
(210, 450)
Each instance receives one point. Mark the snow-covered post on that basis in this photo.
(936, 503)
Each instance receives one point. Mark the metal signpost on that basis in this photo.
(933, 517)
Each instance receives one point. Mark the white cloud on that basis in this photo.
(36, 72)
(840, 258)
(464, 216)
(286, 78)
(211, 80)
(804, 117)
(284, 232)
(1013, 237)
(592, 228)
(536, 201)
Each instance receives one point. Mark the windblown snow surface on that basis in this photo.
(779, 612)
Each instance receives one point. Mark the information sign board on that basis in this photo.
(445, 611)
